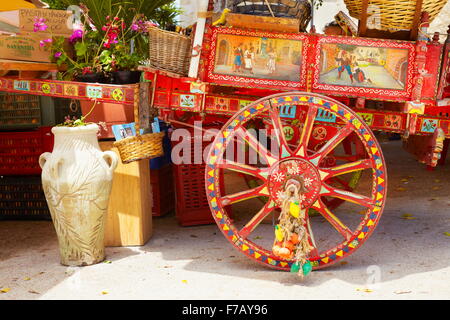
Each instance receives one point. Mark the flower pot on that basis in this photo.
(91, 77)
(77, 179)
(127, 77)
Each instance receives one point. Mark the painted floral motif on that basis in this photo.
(308, 181)
(278, 176)
(294, 170)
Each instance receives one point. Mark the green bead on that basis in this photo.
(307, 267)
(295, 267)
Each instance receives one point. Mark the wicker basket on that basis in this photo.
(394, 14)
(169, 51)
(146, 146)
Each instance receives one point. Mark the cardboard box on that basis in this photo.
(25, 48)
(59, 22)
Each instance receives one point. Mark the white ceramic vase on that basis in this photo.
(77, 179)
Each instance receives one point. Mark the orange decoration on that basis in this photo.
(294, 238)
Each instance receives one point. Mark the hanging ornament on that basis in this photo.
(291, 235)
(306, 268)
(294, 209)
(279, 233)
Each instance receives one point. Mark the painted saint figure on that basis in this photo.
(271, 61)
(237, 63)
(249, 56)
(346, 60)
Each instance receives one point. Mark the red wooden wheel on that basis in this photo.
(320, 135)
(286, 161)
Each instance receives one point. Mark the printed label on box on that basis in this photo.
(94, 92)
(22, 85)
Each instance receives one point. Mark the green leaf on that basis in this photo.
(80, 48)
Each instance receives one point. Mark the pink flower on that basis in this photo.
(76, 35)
(58, 54)
(42, 43)
(39, 24)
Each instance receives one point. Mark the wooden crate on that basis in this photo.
(129, 220)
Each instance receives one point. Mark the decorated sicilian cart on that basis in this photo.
(302, 108)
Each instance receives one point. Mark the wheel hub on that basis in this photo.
(295, 169)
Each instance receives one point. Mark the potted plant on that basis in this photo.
(119, 56)
(77, 180)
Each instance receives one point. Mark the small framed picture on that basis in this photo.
(122, 131)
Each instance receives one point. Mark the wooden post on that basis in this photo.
(198, 39)
(416, 20)
(362, 27)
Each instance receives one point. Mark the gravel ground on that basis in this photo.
(404, 258)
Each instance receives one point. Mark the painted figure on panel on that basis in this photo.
(353, 65)
(258, 57)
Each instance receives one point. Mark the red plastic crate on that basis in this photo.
(163, 190)
(20, 151)
(192, 206)
(22, 198)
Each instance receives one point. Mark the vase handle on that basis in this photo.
(43, 159)
(111, 159)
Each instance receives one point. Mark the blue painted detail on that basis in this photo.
(241, 117)
(378, 173)
(365, 229)
(333, 257)
(212, 193)
(216, 208)
(341, 112)
(372, 216)
(230, 233)
(251, 251)
(222, 221)
(370, 143)
(325, 116)
(346, 249)
(211, 180)
(252, 110)
(263, 258)
(288, 111)
(379, 188)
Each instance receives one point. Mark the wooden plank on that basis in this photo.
(262, 23)
(129, 218)
(109, 93)
(26, 66)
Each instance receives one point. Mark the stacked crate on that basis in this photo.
(192, 207)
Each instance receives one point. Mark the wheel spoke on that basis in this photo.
(332, 219)
(332, 143)
(347, 196)
(307, 130)
(260, 173)
(256, 220)
(347, 168)
(256, 145)
(245, 195)
(278, 128)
